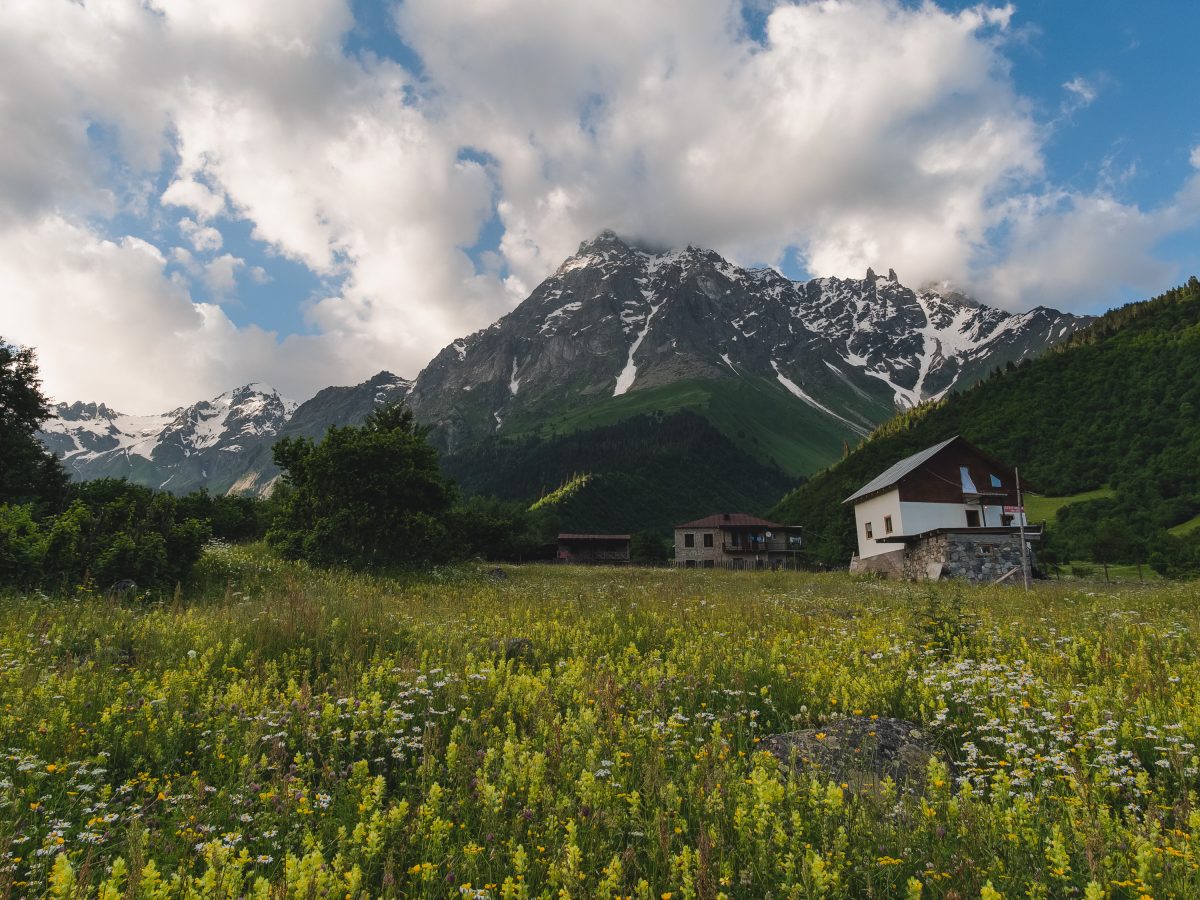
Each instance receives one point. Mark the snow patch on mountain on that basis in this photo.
(795, 390)
(514, 383)
(629, 373)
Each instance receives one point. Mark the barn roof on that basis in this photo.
(731, 520)
(899, 470)
(593, 537)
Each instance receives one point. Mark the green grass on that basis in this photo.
(1045, 509)
(1117, 573)
(1185, 527)
(278, 731)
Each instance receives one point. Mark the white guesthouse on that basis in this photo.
(949, 510)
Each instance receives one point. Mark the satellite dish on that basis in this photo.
(769, 535)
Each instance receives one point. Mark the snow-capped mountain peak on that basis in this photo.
(618, 317)
(95, 438)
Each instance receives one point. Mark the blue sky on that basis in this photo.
(1134, 138)
(306, 192)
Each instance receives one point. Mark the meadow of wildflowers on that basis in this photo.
(276, 731)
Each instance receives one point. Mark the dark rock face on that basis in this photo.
(512, 648)
(859, 751)
(344, 405)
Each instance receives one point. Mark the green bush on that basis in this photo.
(112, 531)
(364, 496)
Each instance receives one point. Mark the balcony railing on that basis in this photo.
(760, 547)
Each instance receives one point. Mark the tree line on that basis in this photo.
(370, 497)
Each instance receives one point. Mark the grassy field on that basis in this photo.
(1186, 527)
(277, 732)
(1118, 573)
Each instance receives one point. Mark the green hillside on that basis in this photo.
(1116, 405)
(647, 472)
(1040, 508)
(1187, 527)
(756, 414)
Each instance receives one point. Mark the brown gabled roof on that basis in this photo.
(891, 476)
(594, 537)
(731, 520)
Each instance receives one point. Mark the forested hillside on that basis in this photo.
(646, 472)
(1116, 406)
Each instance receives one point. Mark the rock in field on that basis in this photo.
(859, 751)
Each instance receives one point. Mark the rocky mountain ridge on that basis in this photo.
(790, 371)
(222, 444)
(616, 318)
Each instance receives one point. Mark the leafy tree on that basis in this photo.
(110, 531)
(364, 496)
(1110, 543)
(28, 473)
(232, 517)
(649, 548)
(493, 529)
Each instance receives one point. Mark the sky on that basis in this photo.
(197, 194)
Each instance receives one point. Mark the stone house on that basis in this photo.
(594, 549)
(950, 510)
(736, 541)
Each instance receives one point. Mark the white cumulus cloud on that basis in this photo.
(860, 132)
(195, 196)
(203, 237)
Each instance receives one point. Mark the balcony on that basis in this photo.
(760, 547)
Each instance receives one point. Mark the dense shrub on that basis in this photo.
(112, 531)
(364, 496)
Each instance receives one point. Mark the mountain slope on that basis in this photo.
(788, 373)
(1115, 404)
(615, 321)
(203, 445)
(683, 468)
(223, 444)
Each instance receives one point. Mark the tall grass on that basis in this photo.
(279, 731)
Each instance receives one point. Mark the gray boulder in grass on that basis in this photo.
(859, 751)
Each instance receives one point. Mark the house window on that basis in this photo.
(870, 532)
(968, 485)
(972, 518)
(710, 564)
(689, 540)
(689, 564)
(887, 524)
(995, 481)
(708, 539)
(1006, 519)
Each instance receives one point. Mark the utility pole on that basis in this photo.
(1021, 530)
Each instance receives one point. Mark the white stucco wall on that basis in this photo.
(912, 518)
(873, 510)
(919, 517)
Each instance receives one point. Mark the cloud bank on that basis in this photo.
(848, 132)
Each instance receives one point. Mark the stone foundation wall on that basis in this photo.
(889, 565)
(974, 557)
